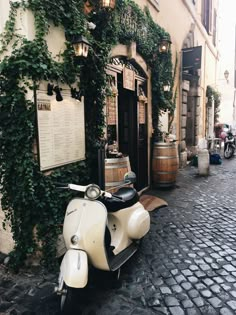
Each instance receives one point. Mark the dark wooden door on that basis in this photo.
(142, 146)
(191, 121)
(133, 133)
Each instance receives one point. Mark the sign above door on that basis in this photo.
(128, 79)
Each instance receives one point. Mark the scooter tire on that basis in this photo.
(228, 153)
(68, 301)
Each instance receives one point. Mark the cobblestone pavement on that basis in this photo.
(186, 264)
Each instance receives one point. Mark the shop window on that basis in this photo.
(214, 28)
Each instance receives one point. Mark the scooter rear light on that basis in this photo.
(74, 240)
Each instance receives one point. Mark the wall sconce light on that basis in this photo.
(226, 75)
(81, 46)
(50, 89)
(57, 90)
(76, 94)
(166, 87)
(107, 4)
(164, 45)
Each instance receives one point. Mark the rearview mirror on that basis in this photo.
(130, 177)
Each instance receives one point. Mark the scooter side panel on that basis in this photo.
(74, 268)
(127, 225)
(87, 219)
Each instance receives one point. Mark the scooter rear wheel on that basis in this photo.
(228, 153)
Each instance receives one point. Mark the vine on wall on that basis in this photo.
(29, 198)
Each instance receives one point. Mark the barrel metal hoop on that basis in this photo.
(115, 166)
(165, 157)
(124, 159)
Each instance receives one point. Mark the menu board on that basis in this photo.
(61, 131)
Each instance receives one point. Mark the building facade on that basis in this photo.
(192, 26)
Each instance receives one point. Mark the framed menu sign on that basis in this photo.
(61, 131)
(128, 79)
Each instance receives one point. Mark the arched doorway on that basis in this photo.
(128, 128)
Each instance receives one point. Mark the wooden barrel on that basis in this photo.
(115, 169)
(165, 164)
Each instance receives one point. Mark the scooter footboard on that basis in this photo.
(74, 268)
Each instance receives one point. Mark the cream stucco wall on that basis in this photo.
(55, 40)
(24, 27)
(178, 18)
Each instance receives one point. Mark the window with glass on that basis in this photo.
(207, 15)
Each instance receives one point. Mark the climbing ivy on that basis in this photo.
(29, 196)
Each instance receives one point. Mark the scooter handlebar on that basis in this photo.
(77, 187)
(83, 189)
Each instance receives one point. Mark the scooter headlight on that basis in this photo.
(74, 239)
(93, 192)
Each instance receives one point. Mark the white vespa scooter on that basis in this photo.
(100, 230)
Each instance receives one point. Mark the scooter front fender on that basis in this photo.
(74, 268)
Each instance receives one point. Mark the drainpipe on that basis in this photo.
(180, 103)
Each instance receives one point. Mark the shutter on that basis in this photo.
(210, 17)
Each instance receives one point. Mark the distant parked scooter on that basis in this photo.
(101, 230)
(229, 145)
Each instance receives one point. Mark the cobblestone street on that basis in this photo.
(186, 264)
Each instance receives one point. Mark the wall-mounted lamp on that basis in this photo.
(166, 87)
(57, 90)
(226, 75)
(51, 88)
(81, 46)
(164, 45)
(76, 94)
(107, 4)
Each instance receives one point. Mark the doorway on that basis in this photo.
(132, 131)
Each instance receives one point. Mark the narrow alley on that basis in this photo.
(186, 264)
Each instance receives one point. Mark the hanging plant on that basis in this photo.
(29, 197)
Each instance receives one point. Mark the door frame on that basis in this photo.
(138, 61)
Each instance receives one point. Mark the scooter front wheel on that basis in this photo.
(68, 300)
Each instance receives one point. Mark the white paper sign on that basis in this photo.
(128, 79)
(61, 131)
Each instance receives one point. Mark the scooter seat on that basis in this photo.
(123, 198)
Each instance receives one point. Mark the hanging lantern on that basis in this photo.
(107, 4)
(226, 75)
(164, 45)
(166, 87)
(81, 46)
